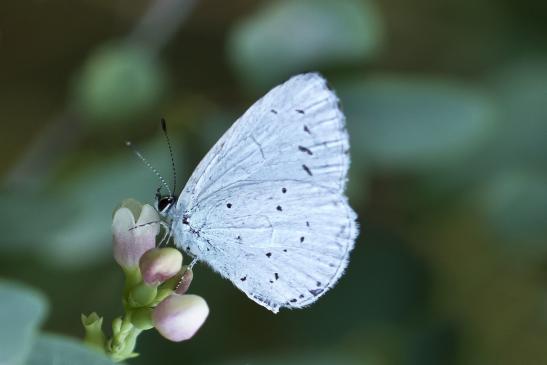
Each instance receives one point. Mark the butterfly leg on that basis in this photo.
(167, 235)
(194, 261)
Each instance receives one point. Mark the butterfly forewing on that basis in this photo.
(265, 208)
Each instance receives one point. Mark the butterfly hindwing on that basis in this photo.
(283, 242)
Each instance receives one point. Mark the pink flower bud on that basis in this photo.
(178, 317)
(159, 264)
(185, 280)
(132, 239)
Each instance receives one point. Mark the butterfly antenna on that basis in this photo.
(139, 155)
(164, 129)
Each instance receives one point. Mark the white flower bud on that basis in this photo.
(132, 239)
(160, 264)
(178, 317)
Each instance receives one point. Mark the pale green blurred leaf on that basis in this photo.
(515, 205)
(521, 87)
(29, 218)
(72, 226)
(21, 311)
(86, 236)
(514, 194)
(118, 82)
(59, 350)
(413, 123)
(519, 139)
(288, 37)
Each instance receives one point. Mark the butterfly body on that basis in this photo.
(266, 207)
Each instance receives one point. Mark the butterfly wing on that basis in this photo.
(266, 206)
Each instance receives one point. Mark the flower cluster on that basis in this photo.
(156, 282)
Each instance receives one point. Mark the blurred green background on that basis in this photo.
(446, 105)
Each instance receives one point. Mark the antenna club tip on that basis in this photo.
(128, 143)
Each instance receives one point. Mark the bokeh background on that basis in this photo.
(446, 105)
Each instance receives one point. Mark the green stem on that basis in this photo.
(124, 339)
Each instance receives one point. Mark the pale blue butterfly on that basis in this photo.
(266, 207)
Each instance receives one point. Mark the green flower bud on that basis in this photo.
(142, 295)
(142, 318)
(94, 336)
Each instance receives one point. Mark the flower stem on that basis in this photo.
(124, 339)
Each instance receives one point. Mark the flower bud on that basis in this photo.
(142, 295)
(132, 239)
(185, 280)
(178, 317)
(94, 335)
(159, 264)
(142, 318)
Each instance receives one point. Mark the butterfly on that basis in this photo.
(266, 208)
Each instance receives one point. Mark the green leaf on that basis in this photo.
(21, 311)
(72, 225)
(515, 205)
(521, 87)
(118, 83)
(16, 238)
(52, 349)
(405, 123)
(86, 237)
(288, 37)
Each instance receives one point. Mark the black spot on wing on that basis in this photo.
(315, 292)
(300, 111)
(279, 208)
(229, 205)
(243, 278)
(307, 169)
(273, 111)
(269, 254)
(306, 150)
(284, 190)
(301, 239)
(306, 129)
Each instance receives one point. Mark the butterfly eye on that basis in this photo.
(164, 203)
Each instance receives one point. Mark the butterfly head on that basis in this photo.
(164, 203)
